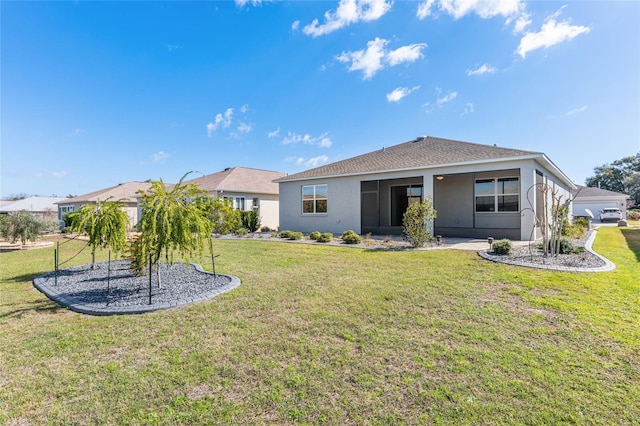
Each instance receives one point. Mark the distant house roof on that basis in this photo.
(124, 191)
(240, 179)
(422, 152)
(587, 191)
(32, 204)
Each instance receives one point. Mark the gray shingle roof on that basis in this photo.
(32, 204)
(124, 191)
(421, 152)
(240, 179)
(587, 191)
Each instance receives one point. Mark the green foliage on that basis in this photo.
(172, 221)
(415, 222)
(224, 219)
(70, 218)
(502, 246)
(250, 220)
(265, 229)
(242, 231)
(325, 237)
(314, 235)
(22, 225)
(565, 246)
(576, 229)
(620, 176)
(291, 235)
(350, 237)
(106, 225)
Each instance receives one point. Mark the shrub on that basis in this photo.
(633, 214)
(291, 235)
(250, 220)
(350, 237)
(415, 221)
(502, 246)
(326, 237)
(565, 246)
(22, 225)
(315, 235)
(242, 231)
(265, 229)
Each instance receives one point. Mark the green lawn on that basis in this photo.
(332, 335)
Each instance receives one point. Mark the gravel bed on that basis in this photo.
(530, 255)
(89, 287)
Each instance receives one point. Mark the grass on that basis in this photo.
(329, 335)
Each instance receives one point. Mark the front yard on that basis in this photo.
(332, 335)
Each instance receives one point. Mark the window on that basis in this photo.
(256, 203)
(236, 202)
(497, 195)
(314, 199)
(66, 209)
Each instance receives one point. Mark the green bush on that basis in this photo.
(242, 231)
(265, 229)
(350, 237)
(250, 220)
(314, 235)
(565, 247)
(22, 225)
(291, 235)
(502, 246)
(326, 237)
(415, 221)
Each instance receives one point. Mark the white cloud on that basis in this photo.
(244, 108)
(242, 3)
(59, 175)
(522, 22)
(172, 47)
(446, 98)
(273, 133)
(551, 33)
(577, 110)
(223, 120)
(409, 53)
(295, 26)
(244, 127)
(373, 58)
(348, 12)
(482, 69)
(483, 8)
(293, 138)
(468, 108)
(316, 161)
(160, 157)
(397, 94)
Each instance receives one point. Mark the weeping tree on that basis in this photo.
(105, 223)
(171, 221)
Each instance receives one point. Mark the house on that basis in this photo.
(477, 190)
(45, 207)
(596, 199)
(123, 192)
(248, 189)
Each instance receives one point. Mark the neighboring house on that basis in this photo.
(124, 192)
(45, 207)
(478, 190)
(248, 189)
(596, 199)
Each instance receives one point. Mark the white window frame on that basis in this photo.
(497, 194)
(315, 199)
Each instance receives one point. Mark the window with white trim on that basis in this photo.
(236, 202)
(497, 195)
(314, 199)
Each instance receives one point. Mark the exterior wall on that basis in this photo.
(269, 211)
(343, 206)
(453, 199)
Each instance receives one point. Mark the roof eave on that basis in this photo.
(535, 156)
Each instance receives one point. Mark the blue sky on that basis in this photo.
(98, 93)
